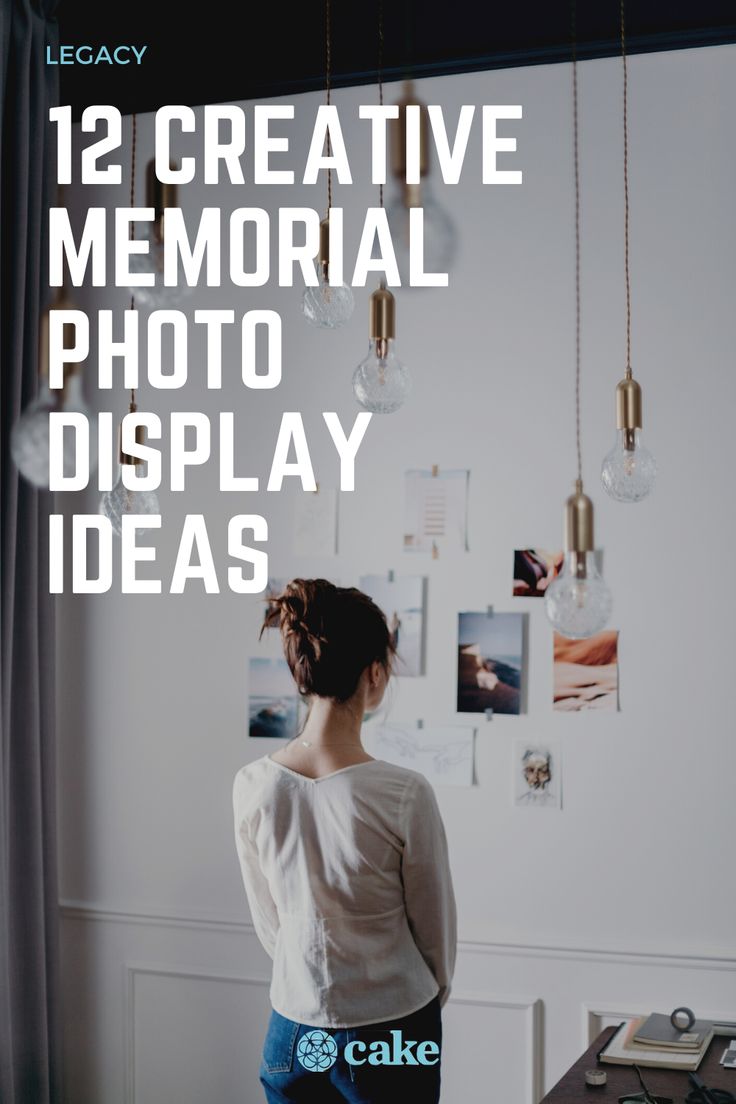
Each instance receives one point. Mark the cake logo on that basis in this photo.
(317, 1051)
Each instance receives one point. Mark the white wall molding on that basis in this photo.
(133, 970)
(87, 911)
(595, 1017)
(572, 1002)
(612, 955)
(533, 1007)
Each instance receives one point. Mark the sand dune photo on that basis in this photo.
(586, 672)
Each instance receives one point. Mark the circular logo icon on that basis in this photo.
(317, 1051)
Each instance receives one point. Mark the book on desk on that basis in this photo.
(659, 1031)
(645, 1042)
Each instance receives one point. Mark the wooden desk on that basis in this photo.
(622, 1079)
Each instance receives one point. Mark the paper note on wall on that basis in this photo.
(315, 523)
(442, 753)
(436, 513)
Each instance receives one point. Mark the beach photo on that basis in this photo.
(534, 570)
(273, 701)
(586, 672)
(490, 662)
(274, 587)
(402, 600)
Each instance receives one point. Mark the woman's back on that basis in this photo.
(348, 880)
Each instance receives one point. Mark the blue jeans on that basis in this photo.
(305, 1068)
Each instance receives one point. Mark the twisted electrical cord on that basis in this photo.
(132, 204)
(576, 166)
(626, 192)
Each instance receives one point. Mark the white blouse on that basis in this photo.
(348, 881)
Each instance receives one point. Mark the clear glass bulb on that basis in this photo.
(325, 306)
(157, 296)
(121, 500)
(578, 602)
(381, 382)
(439, 231)
(29, 437)
(629, 470)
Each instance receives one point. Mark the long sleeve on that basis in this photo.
(262, 905)
(428, 892)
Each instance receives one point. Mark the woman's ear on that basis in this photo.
(375, 673)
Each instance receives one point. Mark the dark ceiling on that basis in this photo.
(236, 51)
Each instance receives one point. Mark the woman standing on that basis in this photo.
(345, 866)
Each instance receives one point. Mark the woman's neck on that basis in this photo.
(330, 723)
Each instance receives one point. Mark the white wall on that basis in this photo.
(619, 904)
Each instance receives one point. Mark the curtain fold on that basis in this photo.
(30, 1036)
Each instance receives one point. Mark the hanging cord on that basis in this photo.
(132, 204)
(328, 88)
(626, 194)
(576, 164)
(380, 76)
(409, 41)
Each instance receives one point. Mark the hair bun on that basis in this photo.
(299, 611)
(330, 634)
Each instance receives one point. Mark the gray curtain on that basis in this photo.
(30, 1051)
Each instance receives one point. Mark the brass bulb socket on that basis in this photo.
(160, 196)
(628, 404)
(411, 195)
(140, 439)
(398, 135)
(579, 522)
(382, 315)
(323, 257)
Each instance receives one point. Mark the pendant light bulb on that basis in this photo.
(578, 602)
(325, 306)
(439, 231)
(29, 437)
(629, 469)
(122, 500)
(381, 382)
(159, 196)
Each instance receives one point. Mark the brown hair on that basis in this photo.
(330, 635)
